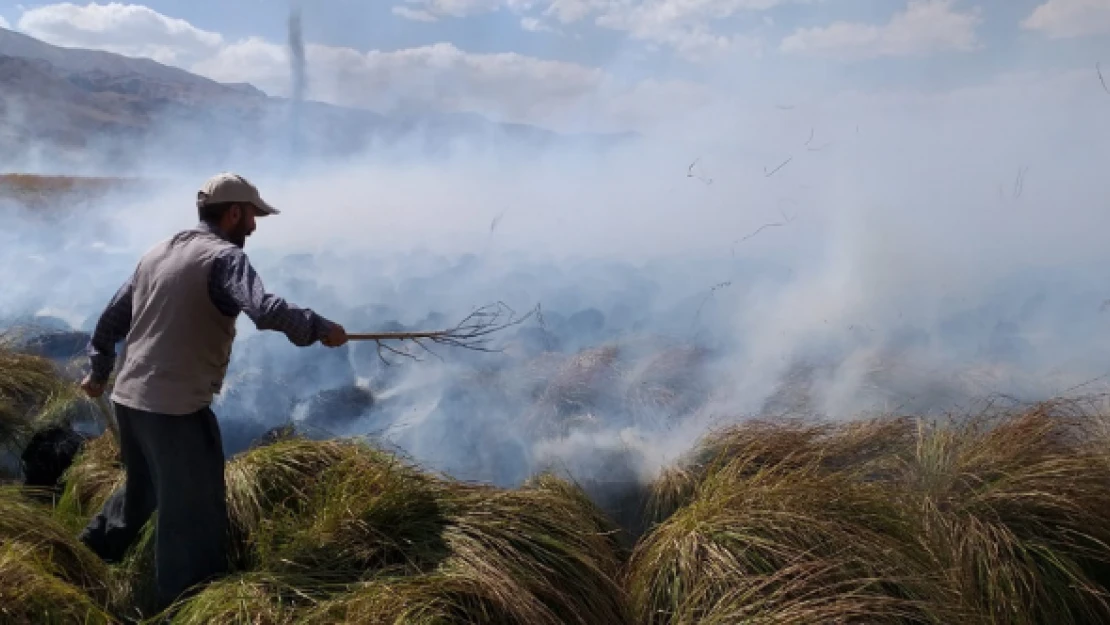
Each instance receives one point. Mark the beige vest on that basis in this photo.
(177, 351)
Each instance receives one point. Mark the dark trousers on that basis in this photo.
(174, 464)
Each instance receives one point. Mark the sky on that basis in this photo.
(589, 64)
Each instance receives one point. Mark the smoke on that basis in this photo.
(802, 249)
(300, 77)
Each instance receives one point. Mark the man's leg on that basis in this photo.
(123, 515)
(192, 529)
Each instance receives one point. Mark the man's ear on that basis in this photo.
(236, 213)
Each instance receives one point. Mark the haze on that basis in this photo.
(910, 187)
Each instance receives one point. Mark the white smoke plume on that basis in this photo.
(811, 248)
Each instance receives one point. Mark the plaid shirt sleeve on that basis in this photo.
(235, 287)
(111, 328)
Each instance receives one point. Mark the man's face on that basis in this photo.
(243, 227)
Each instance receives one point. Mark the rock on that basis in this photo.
(588, 322)
(240, 434)
(337, 408)
(49, 453)
(62, 345)
(366, 361)
(275, 434)
(534, 340)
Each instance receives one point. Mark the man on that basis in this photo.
(177, 317)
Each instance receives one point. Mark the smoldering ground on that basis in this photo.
(891, 251)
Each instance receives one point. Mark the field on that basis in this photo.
(35, 191)
(994, 517)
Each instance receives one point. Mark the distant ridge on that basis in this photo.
(77, 109)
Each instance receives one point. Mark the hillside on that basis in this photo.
(88, 110)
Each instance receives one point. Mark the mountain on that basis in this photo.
(70, 108)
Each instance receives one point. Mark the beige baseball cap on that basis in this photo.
(228, 187)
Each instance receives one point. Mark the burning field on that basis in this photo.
(831, 391)
(993, 516)
(642, 449)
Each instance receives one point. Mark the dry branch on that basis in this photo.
(471, 333)
(496, 220)
(690, 173)
(708, 296)
(1101, 79)
(775, 170)
(785, 220)
(1019, 182)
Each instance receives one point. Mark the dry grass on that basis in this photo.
(540, 553)
(366, 513)
(1014, 509)
(26, 522)
(667, 385)
(250, 598)
(994, 518)
(30, 186)
(772, 523)
(95, 474)
(27, 384)
(280, 476)
(32, 590)
(331, 519)
(990, 518)
(46, 576)
(576, 388)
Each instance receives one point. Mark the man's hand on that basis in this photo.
(336, 336)
(91, 388)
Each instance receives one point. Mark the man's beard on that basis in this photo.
(238, 235)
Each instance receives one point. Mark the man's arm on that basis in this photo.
(235, 287)
(111, 328)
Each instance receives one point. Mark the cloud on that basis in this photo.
(534, 25)
(4, 23)
(464, 8)
(925, 27)
(682, 25)
(438, 77)
(442, 77)
(1062, 19)
(130, 29)
(413, 14)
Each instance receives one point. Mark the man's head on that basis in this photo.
(230, 203)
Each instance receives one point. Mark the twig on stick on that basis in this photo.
(471, 333)
(496, 220)
(1019, 182)
(712, 291)
(543, 326)
(773, 171)
(785, 220)
(690, 172)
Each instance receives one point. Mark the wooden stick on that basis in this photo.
(109, 418)
(395, 336)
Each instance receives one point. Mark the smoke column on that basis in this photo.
(300, 81)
